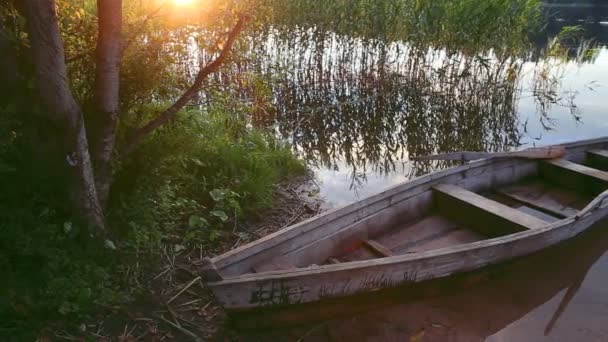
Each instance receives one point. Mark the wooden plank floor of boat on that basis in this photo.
(536, 195)
(431, 232)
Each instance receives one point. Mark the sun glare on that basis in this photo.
(183, 2)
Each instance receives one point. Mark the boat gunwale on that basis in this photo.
(600, 201)
(289, 233)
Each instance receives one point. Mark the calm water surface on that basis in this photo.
(570, 303)
(355, 110)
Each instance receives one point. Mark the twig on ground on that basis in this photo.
(295, 217)
(182, 329)
(237, 242)
(184, 289)
(206, 306)
(190, 302)
(65, 336)
(168, 268)
(98, 335)
(296, 195)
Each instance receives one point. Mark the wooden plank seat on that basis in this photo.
(487, 217)
(598, 159)
(575, 176)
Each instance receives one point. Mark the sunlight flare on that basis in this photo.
(183, 2)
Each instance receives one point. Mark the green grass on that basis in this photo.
(185, 184)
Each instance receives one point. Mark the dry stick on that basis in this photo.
(206, 305)
(184, 289)
(190, 302)
(295, 218)
(296, 194)
(182, 329)
(163, 272)
(237, 242)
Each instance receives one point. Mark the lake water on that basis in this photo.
(355, 111)
(588, 82)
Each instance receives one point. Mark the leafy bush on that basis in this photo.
(198, 174)
(186, 182)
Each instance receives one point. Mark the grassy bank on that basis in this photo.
(195, 180)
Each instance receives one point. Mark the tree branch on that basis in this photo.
(167, 115)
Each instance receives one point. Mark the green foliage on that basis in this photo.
(50, 269)
(188, 181)
(198, 175)
(466, 25)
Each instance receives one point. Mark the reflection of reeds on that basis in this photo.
(368, 103)
(367, 100)
(549, 73)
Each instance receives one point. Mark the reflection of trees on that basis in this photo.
(368, 103)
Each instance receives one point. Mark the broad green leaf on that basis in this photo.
(220, 214)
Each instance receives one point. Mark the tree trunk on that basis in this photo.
(52, 83)
(9, 66)
(107, 84)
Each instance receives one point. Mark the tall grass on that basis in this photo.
(469, 25)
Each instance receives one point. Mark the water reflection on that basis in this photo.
(365, 105)
(355, 108)
(556, 295)
(360, 107)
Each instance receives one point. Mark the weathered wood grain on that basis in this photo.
(367, 218)
(378, 248)
(551, 200)
(328, 281)
(274, 264)
(484, 215)
(314, 241)
(575, 176)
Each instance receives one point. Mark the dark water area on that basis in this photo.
(357, 109)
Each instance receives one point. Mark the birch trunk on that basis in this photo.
(53, 87)
(107, 84)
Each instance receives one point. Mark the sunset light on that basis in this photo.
(183, 2)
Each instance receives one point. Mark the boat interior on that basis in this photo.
(505, 197)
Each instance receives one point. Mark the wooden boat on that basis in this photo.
(457, 220)
(481, 304)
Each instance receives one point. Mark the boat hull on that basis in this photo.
(240, 292)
